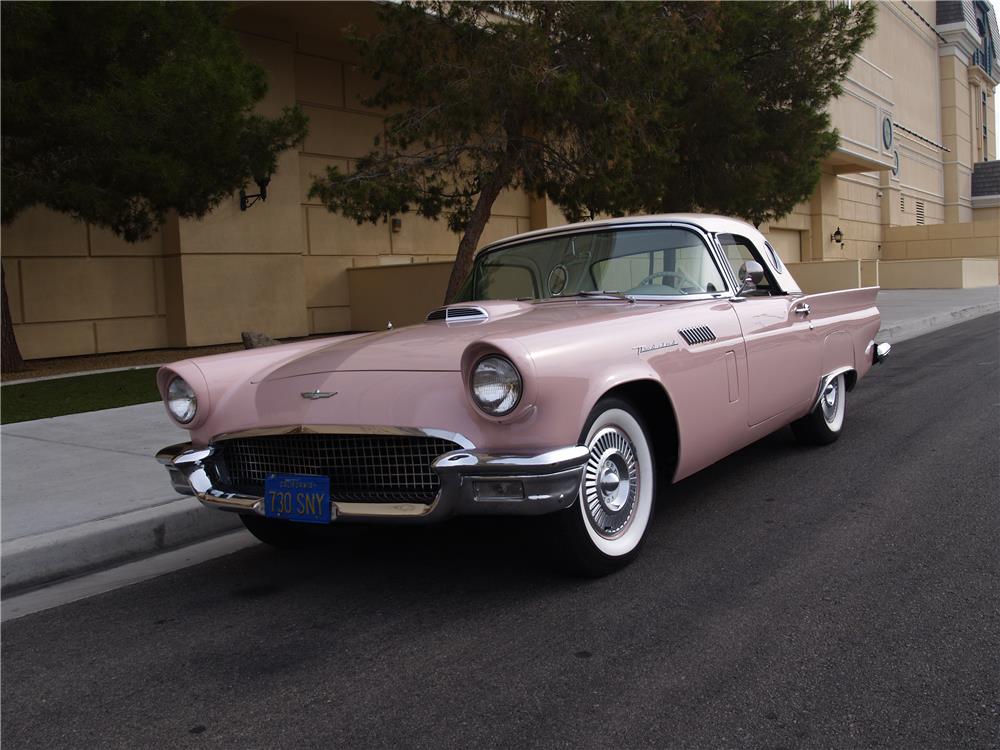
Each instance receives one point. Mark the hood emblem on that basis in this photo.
(313, 395)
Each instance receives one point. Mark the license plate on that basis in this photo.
(297, 497)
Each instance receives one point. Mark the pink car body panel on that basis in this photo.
(762, 370)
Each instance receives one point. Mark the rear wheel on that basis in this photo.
(824, 423)
(277, 533)
(604, 529)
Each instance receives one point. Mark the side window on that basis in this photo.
(738, 251)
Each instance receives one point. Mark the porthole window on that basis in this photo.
(887, 133)
(558, 277)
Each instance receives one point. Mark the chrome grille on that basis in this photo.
(362, 468)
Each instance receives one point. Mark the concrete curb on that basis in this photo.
(36, 560)
(65, 375)
(914, 327)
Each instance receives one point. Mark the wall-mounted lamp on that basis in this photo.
(248, 200)
(397, 225)
(838, 237)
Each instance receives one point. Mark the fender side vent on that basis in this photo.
(459, 314)
(699, 335)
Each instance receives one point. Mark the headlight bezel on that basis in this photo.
(518, 384)
(190, 396)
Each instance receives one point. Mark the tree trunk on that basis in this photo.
(474, 230)
(10, 353)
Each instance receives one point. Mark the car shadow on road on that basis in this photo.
(507, 552)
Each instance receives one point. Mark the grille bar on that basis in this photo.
(362, 468)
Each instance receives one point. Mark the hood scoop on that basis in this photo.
(459, 315)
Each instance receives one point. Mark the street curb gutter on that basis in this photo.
(909, 329)
(36, 560)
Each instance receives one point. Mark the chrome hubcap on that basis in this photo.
(829, 400)
(611, 482)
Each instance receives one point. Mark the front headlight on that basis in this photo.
(496, 386)
(181, 401)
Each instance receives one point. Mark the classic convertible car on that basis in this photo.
(578, 369)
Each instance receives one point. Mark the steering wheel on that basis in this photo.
(691, 283)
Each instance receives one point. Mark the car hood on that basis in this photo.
(438, 345)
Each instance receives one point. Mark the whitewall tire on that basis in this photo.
(825, 422)
(604, 529)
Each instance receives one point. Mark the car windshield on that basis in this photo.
(658, 261)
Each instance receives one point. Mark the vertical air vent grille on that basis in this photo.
(920, 212)
(902, 204)
(699, 335)
(459, 314)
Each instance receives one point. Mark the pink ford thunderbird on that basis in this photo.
(579, 368)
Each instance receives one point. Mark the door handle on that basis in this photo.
(802, 309)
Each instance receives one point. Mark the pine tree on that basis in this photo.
(603, 106)
(118, 113)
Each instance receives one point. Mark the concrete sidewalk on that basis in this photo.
(83, 492)
(907, 313)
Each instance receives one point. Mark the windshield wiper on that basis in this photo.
(602, 294)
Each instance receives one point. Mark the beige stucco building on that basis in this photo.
(916, 121)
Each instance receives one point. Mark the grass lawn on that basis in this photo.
(71, 395)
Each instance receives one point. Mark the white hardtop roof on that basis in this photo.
(708, 222)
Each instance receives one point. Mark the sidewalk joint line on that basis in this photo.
(6, 433)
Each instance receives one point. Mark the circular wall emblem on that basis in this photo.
(887, 133)
(895, 164)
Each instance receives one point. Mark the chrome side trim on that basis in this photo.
(825, 381)
(347, 429)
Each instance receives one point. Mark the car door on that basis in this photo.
(782, 349)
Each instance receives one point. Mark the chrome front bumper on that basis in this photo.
(472, 483)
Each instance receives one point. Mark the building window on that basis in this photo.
(983, 57)
(986, 132)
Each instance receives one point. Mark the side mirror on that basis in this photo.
(752, 274)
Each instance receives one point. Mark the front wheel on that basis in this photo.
(824, 423)
(604, 529)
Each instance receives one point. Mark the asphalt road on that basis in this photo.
(831, 597)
